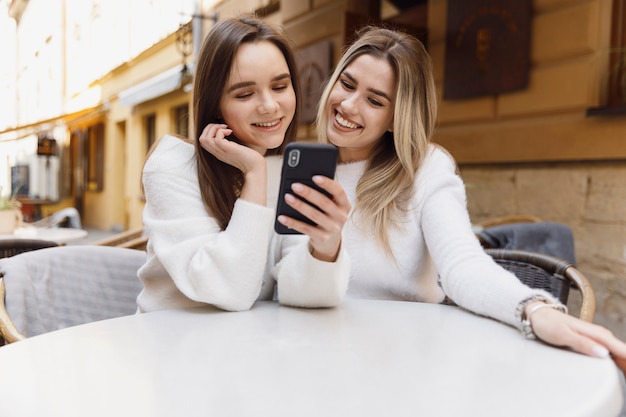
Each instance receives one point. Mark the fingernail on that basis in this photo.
(289, 198)
(281, 219)
(297, 187)
(600, 351)
(318, 179)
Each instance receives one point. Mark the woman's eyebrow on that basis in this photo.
(371, 90)
(244, 84)
(281, 77)
(240, 85)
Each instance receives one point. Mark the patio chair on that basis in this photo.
(550, 238)
(66, 217)
(54, 288)
(12, 247)
(555, 275)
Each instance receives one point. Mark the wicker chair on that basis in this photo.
(11, 247)
(54, 288)
(129, 239)
(549, 273)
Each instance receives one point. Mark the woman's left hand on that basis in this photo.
(560, 329)
(330, 217)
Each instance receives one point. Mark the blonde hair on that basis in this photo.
(383, 193)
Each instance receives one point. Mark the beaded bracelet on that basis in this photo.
(520, 309)
(527, 328)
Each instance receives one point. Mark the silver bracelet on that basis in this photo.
(521, 307)
(527, 328)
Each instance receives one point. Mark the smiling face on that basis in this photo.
(259, 102)
(360, 107)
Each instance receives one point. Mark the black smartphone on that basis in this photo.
(301, 162)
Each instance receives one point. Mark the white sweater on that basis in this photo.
(435, 249)
(191, 262)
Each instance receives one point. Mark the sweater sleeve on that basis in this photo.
(222, 268)
(469, 276)
(301, 279)
(305, 281)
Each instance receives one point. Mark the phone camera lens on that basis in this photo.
(293, 158)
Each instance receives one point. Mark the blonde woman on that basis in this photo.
(409, 236)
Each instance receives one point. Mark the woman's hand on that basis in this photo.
(560, 329)
(213, 139)
(330, 217)
(249, 161)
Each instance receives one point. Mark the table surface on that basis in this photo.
(364, 358)
(55, 234)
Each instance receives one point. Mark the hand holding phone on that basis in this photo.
(302, 161)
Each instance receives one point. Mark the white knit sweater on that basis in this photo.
(436, 252)
(191, 262)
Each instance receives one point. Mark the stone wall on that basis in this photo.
(588, 197)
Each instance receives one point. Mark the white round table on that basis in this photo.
(54, 234)
(364, 358)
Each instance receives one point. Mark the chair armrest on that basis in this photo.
(9, 332)
(588, 307)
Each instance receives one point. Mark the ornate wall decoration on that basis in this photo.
(314, 66)
(487, 47)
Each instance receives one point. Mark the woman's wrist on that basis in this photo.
(530, 309)
(322, 256)
(254, 187)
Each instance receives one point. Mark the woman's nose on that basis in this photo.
(349, 104)
(268, 105)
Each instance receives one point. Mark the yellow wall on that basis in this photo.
(120, 204)
(546, 121)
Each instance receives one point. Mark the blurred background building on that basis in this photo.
(533, 103)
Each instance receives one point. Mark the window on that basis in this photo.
(95, 157)
(181, 120)
(150, 129)
(617, 78)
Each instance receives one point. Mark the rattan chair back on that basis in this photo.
(550, 273)
(54, 288)
(12, 247)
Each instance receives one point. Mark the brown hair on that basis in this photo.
(220, 183)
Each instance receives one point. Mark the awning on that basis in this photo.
(166, 82)
(19, 132)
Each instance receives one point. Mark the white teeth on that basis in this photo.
(268, 124)
(344, 123)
